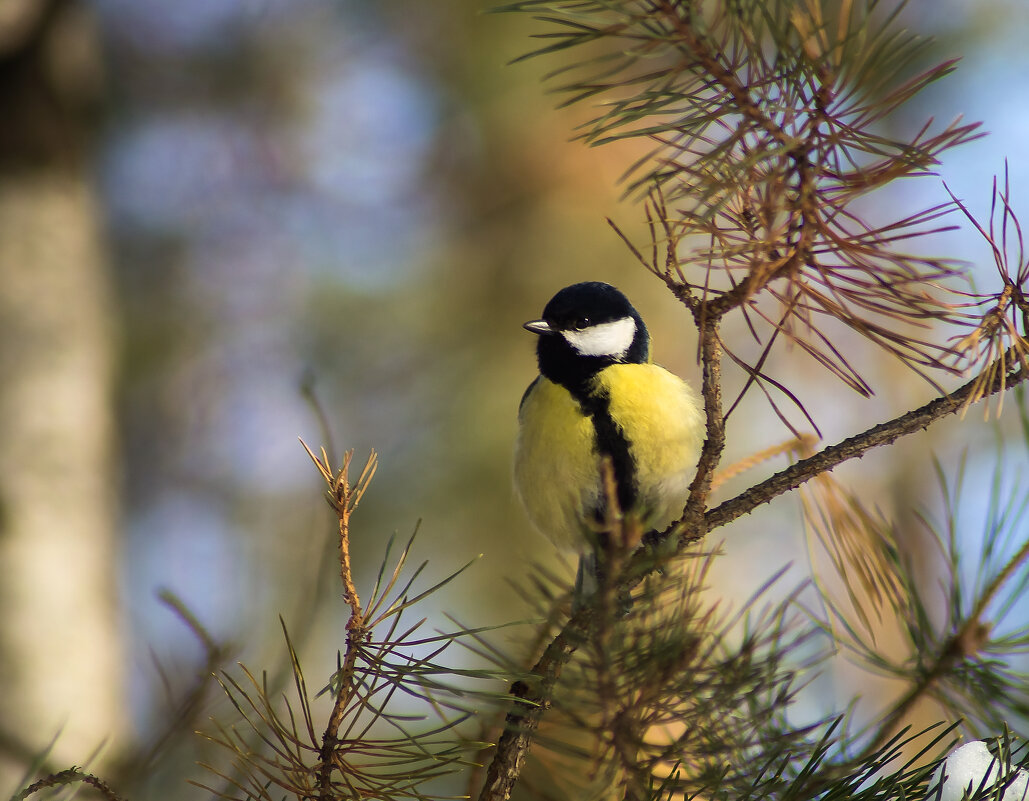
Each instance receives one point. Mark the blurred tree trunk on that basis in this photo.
(61, 666)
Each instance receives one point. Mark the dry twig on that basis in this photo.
(344, 497)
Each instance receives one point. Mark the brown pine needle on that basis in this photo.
(802, 446)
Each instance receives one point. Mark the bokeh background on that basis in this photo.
(213, 211)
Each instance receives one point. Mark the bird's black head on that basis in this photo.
(586, 327)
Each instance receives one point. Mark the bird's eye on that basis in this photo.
(580, 323)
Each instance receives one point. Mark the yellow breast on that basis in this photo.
(557, 472)
(556, 467)
(663, 420)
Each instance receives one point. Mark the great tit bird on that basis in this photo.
(598, 398)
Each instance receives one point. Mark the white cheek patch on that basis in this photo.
(605, 339)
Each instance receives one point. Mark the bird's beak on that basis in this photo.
(538, 327)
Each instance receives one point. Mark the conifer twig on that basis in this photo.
(854, 447)
(66, 777)
(967, 640)
(764, 119)
(530, 700)
(344, 497)
(714, 443)
(192, 702)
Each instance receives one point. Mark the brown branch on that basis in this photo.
(531, 699)
(802, 165)
(714, 443)
(344, 498)
(804, 204)
(710, 63)
(856, 446)
(69, 776)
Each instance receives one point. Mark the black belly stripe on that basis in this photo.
(611, 442)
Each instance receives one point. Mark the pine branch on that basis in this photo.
(855, 447)
(714, 443)
(531, 699)
(68, 777)
(764, 120)
(344, 498)
(368, 747)
(764, 123)
(965, 643)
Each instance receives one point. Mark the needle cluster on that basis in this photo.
(766, 129)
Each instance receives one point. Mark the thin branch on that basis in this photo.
(999, 581)
(69, 776)
(714, 444)
(188, 709)
(850, 448)
(967, 641)
(767, 156)
(344, 497)
(530, 701)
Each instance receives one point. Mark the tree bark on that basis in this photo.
(61, 665)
